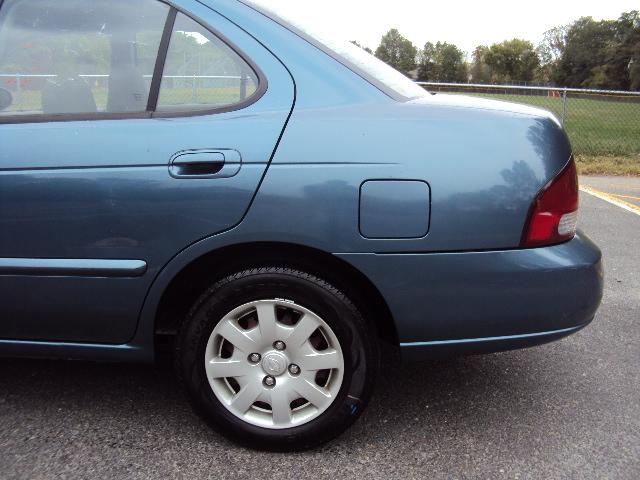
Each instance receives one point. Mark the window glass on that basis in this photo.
(78, 56)
(201, 72)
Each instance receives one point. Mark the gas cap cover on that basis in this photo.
(394, 209)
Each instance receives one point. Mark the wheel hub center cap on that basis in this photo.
(274, 363)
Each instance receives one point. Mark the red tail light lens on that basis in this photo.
(553, 216)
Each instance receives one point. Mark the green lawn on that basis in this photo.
(29, 101)
(595, 126)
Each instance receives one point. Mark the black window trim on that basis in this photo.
(161, 58)
(154, 89)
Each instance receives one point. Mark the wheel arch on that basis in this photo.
(193, 278)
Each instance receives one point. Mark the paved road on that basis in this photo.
(619, 189)
(565, 410)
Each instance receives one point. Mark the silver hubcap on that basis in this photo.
(274, 363)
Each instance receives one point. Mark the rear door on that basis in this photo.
(135, 130)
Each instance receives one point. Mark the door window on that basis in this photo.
(69, 59)
(79, 56)
(201, 72)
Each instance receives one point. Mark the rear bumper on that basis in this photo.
(481, 302)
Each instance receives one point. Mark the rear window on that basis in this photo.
(375, 71)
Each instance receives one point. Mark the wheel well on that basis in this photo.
(195, 278)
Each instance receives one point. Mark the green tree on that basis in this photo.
(634, 71)
(552, 45)
(366, 49)
(624, 61)
(397, 51)
(512, 61)
(588, 46)
(480, 71)
(442, 62)
(550, 51)
(600, 54)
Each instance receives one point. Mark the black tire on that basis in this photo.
(356, 337)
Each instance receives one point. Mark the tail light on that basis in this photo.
(553, 217)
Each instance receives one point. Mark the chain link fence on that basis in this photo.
(598, 122)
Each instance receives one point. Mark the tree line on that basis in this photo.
(584, 54)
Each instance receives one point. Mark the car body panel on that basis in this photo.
(481, 187)
(443, 303)
(476, 295)
(484, 159)
(465, 283)
(102, 189)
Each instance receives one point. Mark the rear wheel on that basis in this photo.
(277, 358)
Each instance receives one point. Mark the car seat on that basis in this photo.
(70, 95)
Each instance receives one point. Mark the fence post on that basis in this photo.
(243, 87)
(244, 78)
(564, 106)
(18, 98)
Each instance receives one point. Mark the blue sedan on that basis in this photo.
(215, 180)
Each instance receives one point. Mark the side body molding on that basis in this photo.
(85, 267)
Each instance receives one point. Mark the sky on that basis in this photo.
(466, 23)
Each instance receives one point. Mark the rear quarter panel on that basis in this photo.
(484, 169)
(484, 161)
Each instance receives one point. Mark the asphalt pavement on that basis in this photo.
(623, 191)
(566, 410)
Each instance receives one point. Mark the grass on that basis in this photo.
(608, 165)
(604, 133)
(595, 126)
(30, 101)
